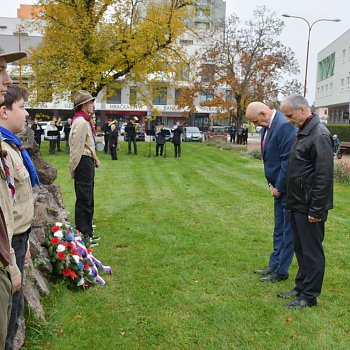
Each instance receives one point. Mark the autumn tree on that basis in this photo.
(89, 44)
(251, 61)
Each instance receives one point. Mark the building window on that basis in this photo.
(318, 93)
(326, 67)
(348, 83)
(160, 95)
(133, 95)
(202, 25)
(322, 89)
(341, 85)
(206, 95)
(228, 95)
(116, 98)
(207, 73)
(326, 90)
(330, 89)
(344, 55)
(178, 93)
(186, 42)
(184, 75)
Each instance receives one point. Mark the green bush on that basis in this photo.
(342, 130)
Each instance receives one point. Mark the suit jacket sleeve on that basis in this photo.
(286, 137)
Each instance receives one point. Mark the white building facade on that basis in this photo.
(332, 98)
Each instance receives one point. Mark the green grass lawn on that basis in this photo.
(183, 237)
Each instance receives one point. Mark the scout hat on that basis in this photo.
(12, 56)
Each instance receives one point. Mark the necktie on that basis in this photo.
(263, 141)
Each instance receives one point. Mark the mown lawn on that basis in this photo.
(183, 237)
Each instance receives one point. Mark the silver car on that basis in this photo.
(192, 133)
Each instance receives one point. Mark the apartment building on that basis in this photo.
(333, 81)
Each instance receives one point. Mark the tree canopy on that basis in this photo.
(251, 61)
(88, 44)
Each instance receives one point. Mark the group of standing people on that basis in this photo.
(298, 162)
(238, 135)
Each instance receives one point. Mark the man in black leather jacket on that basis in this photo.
(309, 197)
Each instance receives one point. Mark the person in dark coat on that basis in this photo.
(309, 185)
(233, 131)
(160, 138)
(130, 130)
(113, 141)
(38, 131)
(177, 131)
(67, 128)
(107, 130)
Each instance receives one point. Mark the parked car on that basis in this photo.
(217, 133)
(168, 134)
(258, 129)
(192, 133)
(122, 128)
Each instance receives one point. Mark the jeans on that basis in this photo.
(133, 140)
(283, 249)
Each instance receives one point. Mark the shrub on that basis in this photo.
(342, 172)
(255, 153)
(342, 130)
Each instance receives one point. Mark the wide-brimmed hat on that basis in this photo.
(13, 56)
(81, 97)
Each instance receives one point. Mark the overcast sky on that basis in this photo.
(294, 34)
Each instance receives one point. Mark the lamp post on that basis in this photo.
(308, 39)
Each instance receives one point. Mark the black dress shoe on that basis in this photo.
(265, 271)
(301, 303)
(291, 294)
(274, 277)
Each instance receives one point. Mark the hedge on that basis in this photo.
(342, 130)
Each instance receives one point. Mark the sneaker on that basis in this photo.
(93, 244)
(95, 238)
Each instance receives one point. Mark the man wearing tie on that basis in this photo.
(277, 138)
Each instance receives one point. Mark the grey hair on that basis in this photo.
(295, 102)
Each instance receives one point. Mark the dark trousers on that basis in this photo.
(106, 138)
(177, 149)
(233, 138)
(59, 143)
(5, 304)
(52, 148)
(84, 192)
(159, 149)
(133, 140)
(308, 248)
(38, 140)
(19, 245)
(67, 147)
(114, 153)
(283, 249)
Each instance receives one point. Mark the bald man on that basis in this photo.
(277, 137)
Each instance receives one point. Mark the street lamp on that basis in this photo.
(308, 39)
